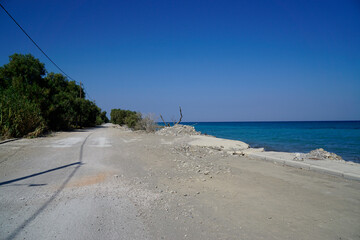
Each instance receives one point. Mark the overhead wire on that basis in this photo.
(42, 50)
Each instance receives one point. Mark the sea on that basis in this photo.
(340, 137)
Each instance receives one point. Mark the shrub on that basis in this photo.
(147, 123)
(18, 115)
(133, 120)
(121, 117)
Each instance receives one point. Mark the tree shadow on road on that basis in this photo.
(43, 207)
(39, 173)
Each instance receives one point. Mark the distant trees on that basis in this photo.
(127, 117)
(133, 120)
(31, 102)
(102, 118)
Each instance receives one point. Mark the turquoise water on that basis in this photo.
(342, 138)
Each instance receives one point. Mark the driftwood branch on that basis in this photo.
(165, 124)
(181, 116)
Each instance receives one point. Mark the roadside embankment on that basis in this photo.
(317, 160)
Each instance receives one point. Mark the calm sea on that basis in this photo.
(340, 137)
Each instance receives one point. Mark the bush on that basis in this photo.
(147, 123)
(18, 115)
(121, 117)
(133, 120)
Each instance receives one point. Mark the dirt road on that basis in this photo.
(107, 183)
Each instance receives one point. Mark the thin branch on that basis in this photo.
(166, 124)
(181, 116)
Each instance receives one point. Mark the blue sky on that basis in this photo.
(218, 60)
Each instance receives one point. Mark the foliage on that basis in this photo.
(147, 123)
(32, 102)
(103, 117)
(121, 117)
(132, 119)
(18, 115)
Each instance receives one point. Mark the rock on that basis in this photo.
(206, 172)
(215, 148)
(299, 157)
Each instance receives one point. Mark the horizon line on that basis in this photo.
(269, 121)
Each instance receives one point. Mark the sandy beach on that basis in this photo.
(167, 185)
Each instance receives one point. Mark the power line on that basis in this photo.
(36, 44)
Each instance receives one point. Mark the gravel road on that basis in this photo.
(109, 183)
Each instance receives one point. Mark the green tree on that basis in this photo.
(31, 101)
(125, 117)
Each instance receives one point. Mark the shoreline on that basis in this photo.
(346, 169)
(340, 168)
(292, 137)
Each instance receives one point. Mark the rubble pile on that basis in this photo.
(178, 130)
(317, 154)
(321, 154)
(123, 128)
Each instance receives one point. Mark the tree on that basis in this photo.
(23, 72)
(33, 102)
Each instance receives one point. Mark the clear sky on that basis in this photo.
(218, 60)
